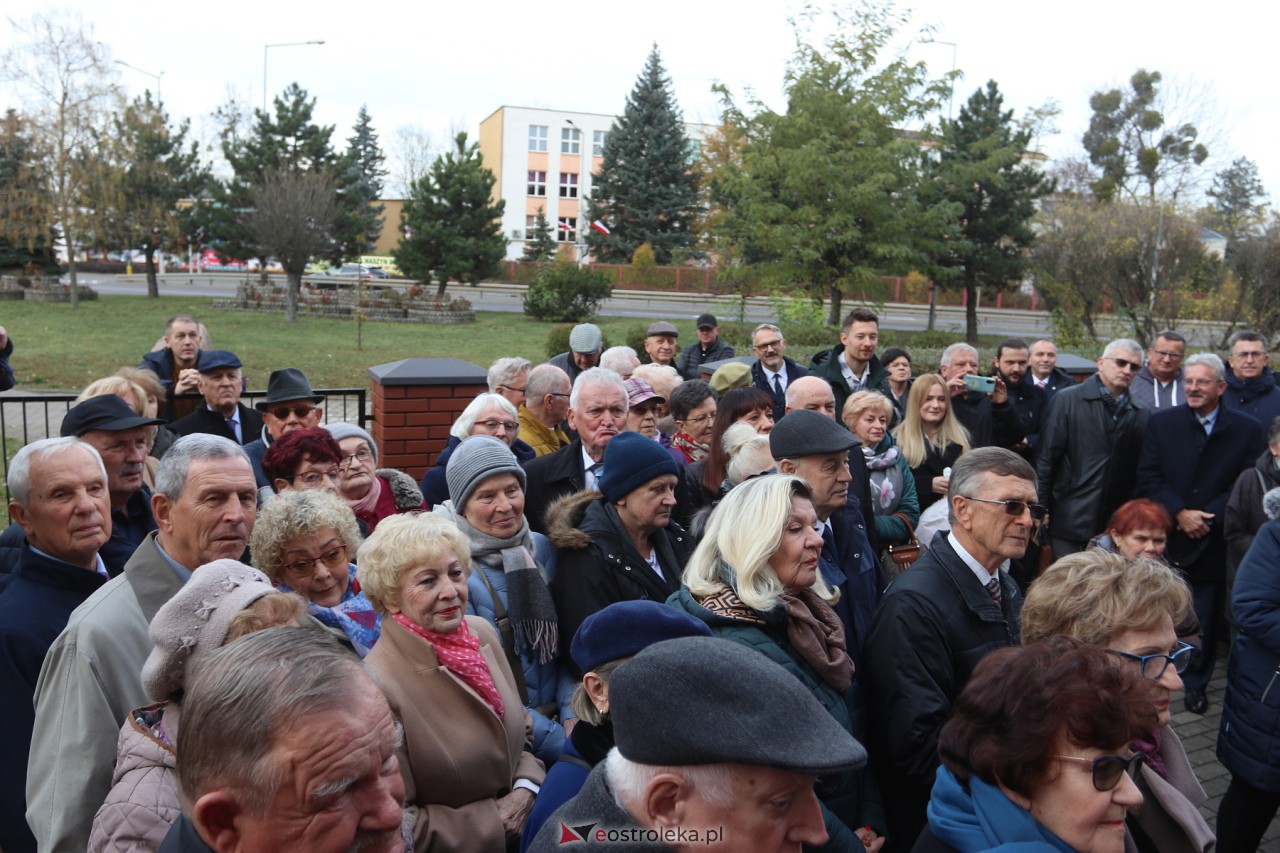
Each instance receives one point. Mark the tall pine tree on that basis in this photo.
(363, 163)
(980, 168)
(646, 189)
(452, 226)
(540, 244)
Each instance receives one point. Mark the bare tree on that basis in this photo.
(294, 217)
(413, 149)
(66, 81)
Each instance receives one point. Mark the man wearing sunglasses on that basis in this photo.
(290, 404)
(937, 620)
(1086, 462)
(1191, 456)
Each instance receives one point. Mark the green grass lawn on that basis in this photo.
(58, 349)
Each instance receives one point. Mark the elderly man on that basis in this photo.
(265, 788)
(811, 394)
(773, 371)
(1157, 384)
(708, 348)
(175, 364)
(597, 412)
(119, 435)
(510, 378)
(1191, 456)
(546, 405)
(816, 448)
(290, 404)
(988, 417)
(852, 365)
(221, 383)
(621, 360)
(1044, 372)
(1251, 387)
(938, 619)
(58, 494)
(660, 343)
(708, 756)
(586, 343)
(204, 504)
(1088, 458)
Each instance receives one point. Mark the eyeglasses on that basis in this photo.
(360, 457)
(768, 345)
(1107, 769)
(700, 419)
(315, 479)
(490, 423)
(513, 388)
(1153, 666)
(1125, 364)
(1016, 508)
(1172, 356)
(305, 568)
(281, 413)
(1250, 355)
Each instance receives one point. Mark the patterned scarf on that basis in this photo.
(886, 479)
(534, 624)
(353, 616)
(459, 652)
(690, 448)
(815, 631)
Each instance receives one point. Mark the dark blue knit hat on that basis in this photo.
(623, 628)
(630, 461)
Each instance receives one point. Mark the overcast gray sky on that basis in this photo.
(442, 65)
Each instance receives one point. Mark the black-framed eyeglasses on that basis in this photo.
(1153, 666)
(768, 345)
(1175, 356)
(1016, 508)
(1107, 769)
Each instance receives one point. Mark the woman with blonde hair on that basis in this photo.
(867, 414)
(930, 437)
(1130, 607)
(135, 394)
(754, 579)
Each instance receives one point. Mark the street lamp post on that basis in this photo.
(267, 47)
(155, 77)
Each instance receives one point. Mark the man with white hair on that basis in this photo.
(545, 407)
(1087, 462)
(1191, 456)
(987, 416)
(58, 495)
(621, 360)
(510, 378)
(597, 412)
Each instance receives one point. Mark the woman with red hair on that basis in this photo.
(1139, 528)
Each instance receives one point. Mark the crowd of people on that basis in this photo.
(664, 601)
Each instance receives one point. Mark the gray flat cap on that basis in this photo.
(705, 700)
(586, 337)
(805, 433)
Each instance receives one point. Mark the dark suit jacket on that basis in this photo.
(205, 422)
(758, 379)
(1182, 468)
(550, 477)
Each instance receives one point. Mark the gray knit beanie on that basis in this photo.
(192, 624)
(340, 430)
(475, 460)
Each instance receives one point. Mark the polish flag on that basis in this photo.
(599, 226)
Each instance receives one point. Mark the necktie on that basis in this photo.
(235, 428)
(829, 544)
(594, 473)
(993, 590)
(777, 386)
(1207, 424)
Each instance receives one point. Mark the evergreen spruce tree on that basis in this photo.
(452, 226)
(980, 167)
(646, 189)
(363, 165)
(540, 243)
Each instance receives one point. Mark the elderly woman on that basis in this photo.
(693, 408)
(605, 641)
(893, 488)
(306, 541)
(1249, 739)
(373, 493)
(488, 414)
(620, 543)
(510, 567)
(1036, 754)
(706, 477)
(664, 379)
(643, 407)
(1130, 608)
(1138, 528)
(931, 438)
(222, 602)
(897, 362)
(303, 459)
(469, 776)
(754, 580)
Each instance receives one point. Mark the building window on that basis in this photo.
(537, 183)
(568, 185)
(570, 140)
(537, 137)
(530, 225)
(566, 229)
(597, 142)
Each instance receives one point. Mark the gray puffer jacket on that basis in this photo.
(143, 803)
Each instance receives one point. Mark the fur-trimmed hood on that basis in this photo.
(405, 491)
(565, 518)
(1271, 504)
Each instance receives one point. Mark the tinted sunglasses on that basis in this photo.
(1107, 769)
(1017, 508)
(282, 412)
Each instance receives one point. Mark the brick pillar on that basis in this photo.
(415, 401)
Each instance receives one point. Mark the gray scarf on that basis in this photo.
(529, 605)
